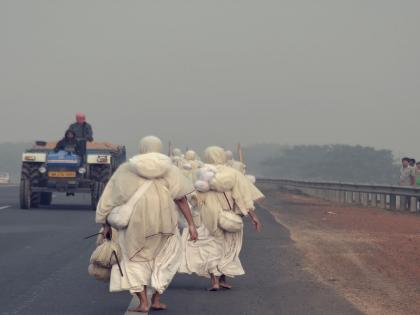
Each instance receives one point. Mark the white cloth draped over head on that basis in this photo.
(154, 218)
(190, 155)
(150, 144)
(215, 155)
(177, 152)
(178, 158)
(190, 165)
(237, 165)
(229, 155)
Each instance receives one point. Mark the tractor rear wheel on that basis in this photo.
(96, 194)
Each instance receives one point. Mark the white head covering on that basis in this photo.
(190, 155)
(215, 155)
(229, 155)
(150, 144)
(177, 152)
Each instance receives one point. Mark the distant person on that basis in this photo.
(418, 173)
(81, 128)
(407, 178)
(408, 174)
(68, 143)
(83, 132)
(412, 163)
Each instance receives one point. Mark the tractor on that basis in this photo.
(45, 171)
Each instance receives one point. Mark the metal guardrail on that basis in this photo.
(384, 196)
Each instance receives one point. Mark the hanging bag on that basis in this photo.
(228, 220)
(119, 217)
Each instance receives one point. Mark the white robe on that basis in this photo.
(157, 273)
(217, 251)
(151, 244)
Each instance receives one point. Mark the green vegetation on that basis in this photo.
(344, 163)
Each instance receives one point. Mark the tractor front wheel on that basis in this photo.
(25, 194)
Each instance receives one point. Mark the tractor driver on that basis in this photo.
(83, 132)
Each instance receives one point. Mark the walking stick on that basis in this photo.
(118, 262)
(170, 151)
(88, 237)
(240, 153)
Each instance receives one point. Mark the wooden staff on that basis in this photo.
(240, 153)
(170, 152)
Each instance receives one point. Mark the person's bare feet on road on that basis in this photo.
(156, 304)
(215, 286)
(223, 284)
(139, 309)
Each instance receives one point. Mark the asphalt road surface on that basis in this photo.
(44, 259)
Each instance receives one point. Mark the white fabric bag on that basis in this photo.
(119, 217)
(230, 221)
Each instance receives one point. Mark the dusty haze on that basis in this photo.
(213, 72)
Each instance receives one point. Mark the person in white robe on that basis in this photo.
(237, 165)
(216, 253)
(191, 165)
(151, 243)
(178, 158)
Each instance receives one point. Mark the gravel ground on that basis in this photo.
(370, 256)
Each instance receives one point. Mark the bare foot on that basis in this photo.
(159, 307)
(156, 304)
(214, 288)
(226, 286)
(223, 283)
(139, 309)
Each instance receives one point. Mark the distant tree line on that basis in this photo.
(313, 162)
(344, 163)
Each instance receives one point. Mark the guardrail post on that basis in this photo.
(357, 198)
(349, 196)
(413, 204)
(382, 201)
(342, 196)
(337, 196)
(392, 202)
(364, 199)
(374, 200)
(332, 195)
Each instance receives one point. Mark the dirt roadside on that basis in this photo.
(370, 256)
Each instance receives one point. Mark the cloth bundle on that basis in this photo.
(230, 221)
(106, 254)
(120, 216)
(205, 175)
(187, 166)
(221, 180)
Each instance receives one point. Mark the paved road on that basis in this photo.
(43, 263)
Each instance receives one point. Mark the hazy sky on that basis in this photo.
(213, 72)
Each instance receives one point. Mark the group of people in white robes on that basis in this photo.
(212, 196)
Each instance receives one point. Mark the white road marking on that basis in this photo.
(4, 207)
